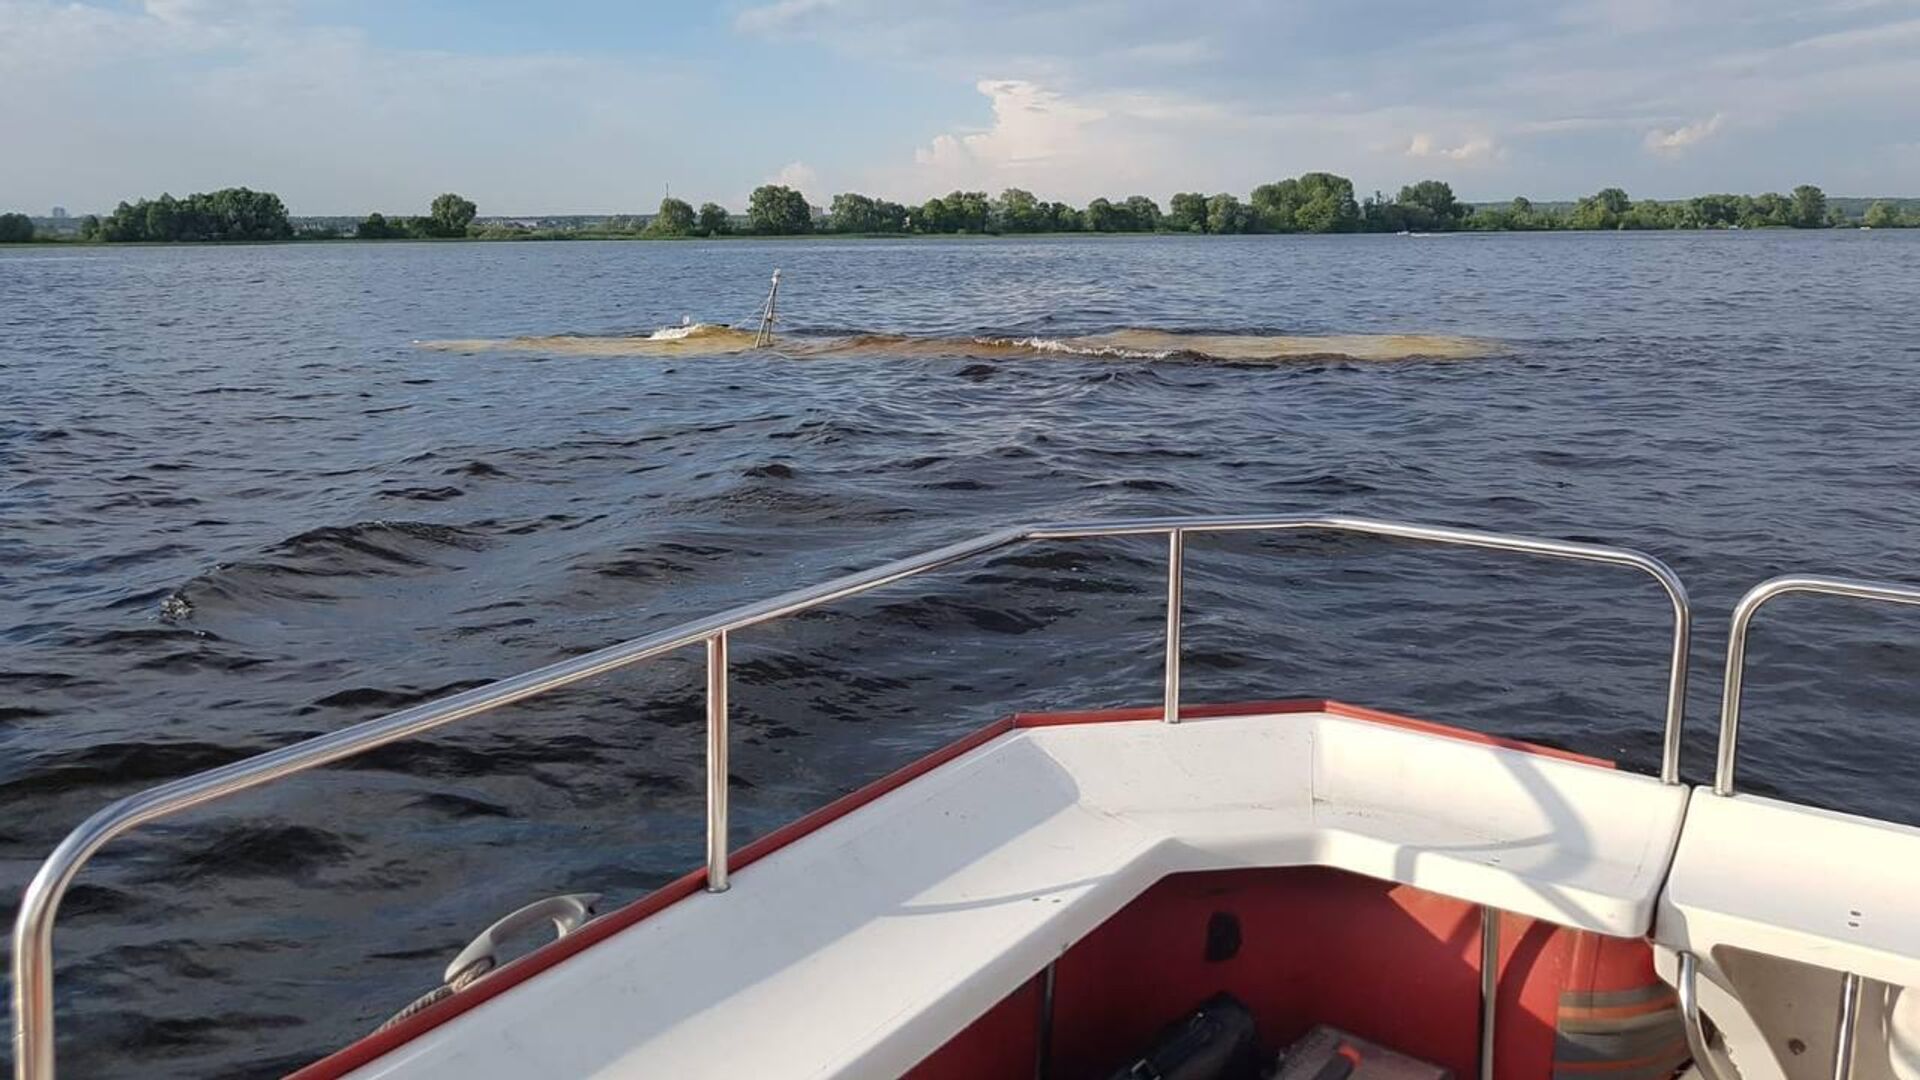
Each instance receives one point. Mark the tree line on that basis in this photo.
(1315, 202)
(227, 214)
(239, 214)
(448, 216)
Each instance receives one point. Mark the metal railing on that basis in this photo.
(1743, 613)
(1687, 983)
(1757, 597)
(33, 971)
(1687, 986)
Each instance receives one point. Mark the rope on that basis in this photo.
(438, 994)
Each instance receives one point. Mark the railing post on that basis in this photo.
(1489, 987)
(1687, 984)
(717, 762)
(1844, 1036)
(1176, 548)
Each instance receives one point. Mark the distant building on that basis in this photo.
(59, 213)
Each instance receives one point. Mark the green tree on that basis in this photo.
(449, 215)
(90, 227)
(1770, 209)
(969, 212)
(1063, 218)
(675, 218)
(1493, 219)
(168, 220)
(1809, 207)
(1187, 212)
(1315, 202)
(1273, 205)
(1018, 212)
(1326, 204)
(1881, 215)
(1101, 216)
(240, 214)
(1429, 206)
(1379, 213)
(889, 216)
(932, 216)
(15, 228)
(714, 220)
(376, 227)
(1226, 214)
(778, 210)
(1604, 209)
(126, 224)
(227, 214)
(851, 212)
(1838, 219)
(1647, 214)
(1715, 211)
(1142, 214)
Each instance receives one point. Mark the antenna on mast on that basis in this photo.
(765, 336)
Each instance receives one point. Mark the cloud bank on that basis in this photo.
(1554, 98)
(106, 100)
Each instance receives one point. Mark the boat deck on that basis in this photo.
(849, 951)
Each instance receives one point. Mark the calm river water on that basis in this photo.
(239, 506)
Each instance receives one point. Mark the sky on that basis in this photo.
(599, 106)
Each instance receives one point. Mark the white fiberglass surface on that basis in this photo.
(863, 946)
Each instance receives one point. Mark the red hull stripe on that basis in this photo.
(367, 1049)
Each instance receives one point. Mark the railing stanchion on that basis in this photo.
(717, 762)
(1176, 548)
(1844, 1036)
(1687, 984)
(1489, 987)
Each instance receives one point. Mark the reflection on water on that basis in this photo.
(708, 339)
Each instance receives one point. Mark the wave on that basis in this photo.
(709, 339)
(318, 565)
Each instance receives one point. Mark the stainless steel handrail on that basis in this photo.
(1687, 982)
(1843, 1032)
(33, 1020)
(1743, 613)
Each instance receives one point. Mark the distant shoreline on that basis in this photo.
(1312, 203)
(69, 241)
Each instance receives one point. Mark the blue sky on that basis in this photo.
(345, 106)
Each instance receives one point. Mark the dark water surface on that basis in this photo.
(238, 507)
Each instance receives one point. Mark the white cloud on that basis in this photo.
(1089, 97)
(1032, 126)
(1066, 146)
(1678, 140)
(1477, 148)
(323, 115)
(801, 177)
(1540, 97)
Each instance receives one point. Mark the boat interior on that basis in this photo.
(1287, 888)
